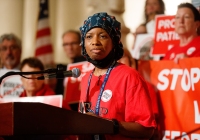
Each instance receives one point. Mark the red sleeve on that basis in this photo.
(45, 91)
(154, 98)
(23, 94)
(139, 108)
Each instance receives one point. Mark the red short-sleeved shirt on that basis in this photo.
(46, 90)
(192, 49)
(125, 97)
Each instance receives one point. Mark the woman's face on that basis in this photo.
(184, 22)
(98, 43)
(152, 7)
(31, 85)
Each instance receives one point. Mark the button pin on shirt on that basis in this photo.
(191, 50)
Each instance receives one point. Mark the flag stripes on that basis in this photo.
(44, 49)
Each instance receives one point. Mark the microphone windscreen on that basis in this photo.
(76, 72)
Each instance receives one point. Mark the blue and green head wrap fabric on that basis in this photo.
(110, 25)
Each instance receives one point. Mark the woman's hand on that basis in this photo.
(92, 114)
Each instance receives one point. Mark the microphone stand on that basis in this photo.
(59, 68)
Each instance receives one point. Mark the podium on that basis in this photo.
(38, 119)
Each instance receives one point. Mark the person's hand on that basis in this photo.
(90, 113)
(179, 56)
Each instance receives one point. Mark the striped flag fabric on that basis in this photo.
(44, 49)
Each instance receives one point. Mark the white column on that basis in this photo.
(30, 14)
(11, 17)
(112, 7)
(70, 14)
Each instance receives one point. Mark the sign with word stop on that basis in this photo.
(178, 88)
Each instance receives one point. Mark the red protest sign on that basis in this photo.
(72, 85)
(178, 88)
(165, 37)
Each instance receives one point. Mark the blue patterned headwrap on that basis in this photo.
(110, 25)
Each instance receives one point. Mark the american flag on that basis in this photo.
(44, 49)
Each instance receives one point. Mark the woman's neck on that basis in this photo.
(151, 17)
(184, 40)
(30, 93)
(102, 71)
(98, 71)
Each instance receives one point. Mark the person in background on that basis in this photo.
(113, 90)
(71, 40)
(10, 51)
(152, 8)
(32, 86)
(71, 44)
(187, 22)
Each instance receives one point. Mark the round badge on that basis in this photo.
(191, 50)
(106, 96)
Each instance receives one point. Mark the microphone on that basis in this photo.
(75, 72)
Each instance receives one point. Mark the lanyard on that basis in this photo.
(102, 87)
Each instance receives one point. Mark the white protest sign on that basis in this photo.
(10, 86)
(55, 100)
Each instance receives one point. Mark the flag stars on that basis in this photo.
(43, 9)
(42, 1)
